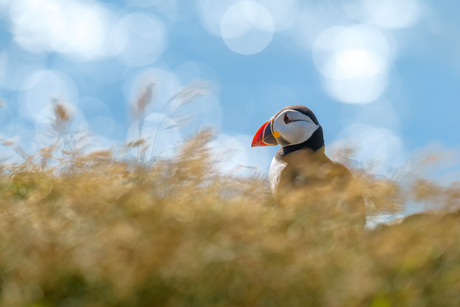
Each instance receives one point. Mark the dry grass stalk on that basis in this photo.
(91, 230)
(144, 99)
(61, 112)
(191, 91)
(180, 233)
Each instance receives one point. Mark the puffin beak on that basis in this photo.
(264, 136)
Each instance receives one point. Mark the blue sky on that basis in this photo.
(382, 76)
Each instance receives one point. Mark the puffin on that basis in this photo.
(301, 165)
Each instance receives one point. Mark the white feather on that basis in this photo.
(276, 167)
(298, 131)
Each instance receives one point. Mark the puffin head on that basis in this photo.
(291, 126)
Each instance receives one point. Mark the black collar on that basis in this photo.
(315, 142)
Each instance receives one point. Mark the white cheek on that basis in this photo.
(297, 132)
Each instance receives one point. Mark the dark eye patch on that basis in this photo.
(287, 120)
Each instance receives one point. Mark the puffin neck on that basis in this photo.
(315, 142)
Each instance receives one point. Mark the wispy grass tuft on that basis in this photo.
(93, 230)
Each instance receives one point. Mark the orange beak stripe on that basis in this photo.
(264, 136)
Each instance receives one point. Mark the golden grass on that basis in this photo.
(94, 230)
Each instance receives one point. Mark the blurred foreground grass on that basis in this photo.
(94, 230)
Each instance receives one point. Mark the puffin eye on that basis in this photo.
(287, 120)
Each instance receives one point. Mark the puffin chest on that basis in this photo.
(306, 169)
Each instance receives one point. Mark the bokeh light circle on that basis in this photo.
(391, 13)
(379, 150)
(354, 62)
(166, 85)
(77, 30)
(358, 51)
(204, 111)
(356, 90)
(145, 39)
(40, 88)
(283, 12)
(211, 13)
(247, 27)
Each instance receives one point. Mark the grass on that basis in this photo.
(93, 229)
